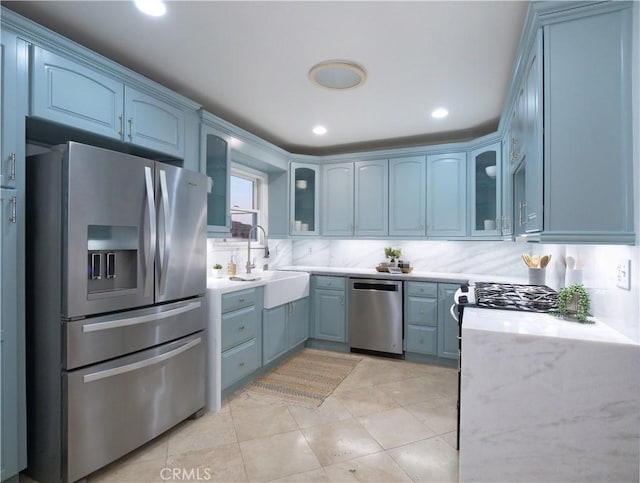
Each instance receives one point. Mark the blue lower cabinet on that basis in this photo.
(240, 361)
(283, 328)
(421, 339)
(298, 322)
(329, 315)
(274, 332)
(447, 325)
(241, 334)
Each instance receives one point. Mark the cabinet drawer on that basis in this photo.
(240, 361)
(422, 289)
(421, 339)
(236, 300)
(331, 283)
(239, 326)
(422, 311)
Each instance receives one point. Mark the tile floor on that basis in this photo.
(388, 421)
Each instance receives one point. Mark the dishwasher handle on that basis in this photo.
(376, 285)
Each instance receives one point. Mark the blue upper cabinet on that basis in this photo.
(485, 175)
(72, 93)
(371, 198)
(337, 200)
(447, 195)
(304, 198)
(215, 163)
(407, 196)
(153, 124)
(588, 168)
(67, 92)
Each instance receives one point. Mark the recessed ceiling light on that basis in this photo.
(319, 130)
(439, 113)
(337, 75)
(154, 8)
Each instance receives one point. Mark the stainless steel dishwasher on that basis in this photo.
(375, 315)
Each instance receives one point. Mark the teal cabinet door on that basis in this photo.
(371, 198)
(153, 124)
(506, 224)
(588, 129)
(337, 200)
(69, 93)
(12, 350)
(330, 315)
(215, 163)
(485, 176)
(407, 196)
(274, 332)
(447, 195)
(304, 196)
(421, 339)
(447, 325)
(421, 310)
(298, 327)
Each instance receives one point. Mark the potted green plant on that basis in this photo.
(574, 303)
(393, 254)
(217, 270)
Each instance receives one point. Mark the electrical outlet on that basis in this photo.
(623, 275)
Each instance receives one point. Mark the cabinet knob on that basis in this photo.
(241, 327)
(241, 364)
(241, 299)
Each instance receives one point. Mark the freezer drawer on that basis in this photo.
(115, 407)
(96, 339)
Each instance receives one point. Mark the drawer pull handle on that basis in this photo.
(241, 364)
(241, 299)
(241, 327)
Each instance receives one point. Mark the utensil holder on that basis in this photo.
(537, 276)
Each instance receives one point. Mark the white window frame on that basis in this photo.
(260, 196)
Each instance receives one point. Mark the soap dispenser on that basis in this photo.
(231, 267)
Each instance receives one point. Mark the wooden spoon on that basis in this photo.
(536, 261)
(527, 259)
(544, 261)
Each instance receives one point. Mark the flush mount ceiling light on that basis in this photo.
(319, 130)
(337, 75)
(154, 8)
(439, 113)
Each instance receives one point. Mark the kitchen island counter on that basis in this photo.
(545, 399)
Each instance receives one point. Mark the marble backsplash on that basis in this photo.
(616, 307)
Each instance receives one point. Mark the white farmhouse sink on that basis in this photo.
(283, 287)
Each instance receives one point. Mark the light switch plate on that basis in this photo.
(623, 275)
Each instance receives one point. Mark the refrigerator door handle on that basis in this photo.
(141, 319)
(151, 251)
(96, 376)
(164, 264)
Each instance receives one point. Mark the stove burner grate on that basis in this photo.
(528, 298)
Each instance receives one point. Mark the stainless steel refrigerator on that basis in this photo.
(116, 276)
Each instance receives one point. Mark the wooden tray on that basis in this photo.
(386, 270)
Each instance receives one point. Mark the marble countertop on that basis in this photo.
(224, 285)
(543, 325)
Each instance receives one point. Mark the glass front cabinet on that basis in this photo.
(305, 181)
(486, 178)
(215, 163)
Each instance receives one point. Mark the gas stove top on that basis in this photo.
(528, 298)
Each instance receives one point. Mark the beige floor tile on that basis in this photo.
(210, 431)
(262, 421)
(412, 391)
(124, 472)
(451, 438)
(428, 460)
(364, 401)
(340, 441)
(395, 427)
(222, 464)
(314, 476)
(153, 450)
(439, 414)
(277, 456)
(248, 400)
(331, 410)
(378, 467)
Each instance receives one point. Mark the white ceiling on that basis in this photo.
(247, 62)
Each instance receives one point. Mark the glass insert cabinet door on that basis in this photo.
(214, 155)
(486, 176)
(304, 199)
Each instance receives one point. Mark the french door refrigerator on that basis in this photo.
(116, 276)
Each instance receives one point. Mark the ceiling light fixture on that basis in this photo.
(337, 75)
(154, 8)
(439, 113)
(319, 130)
